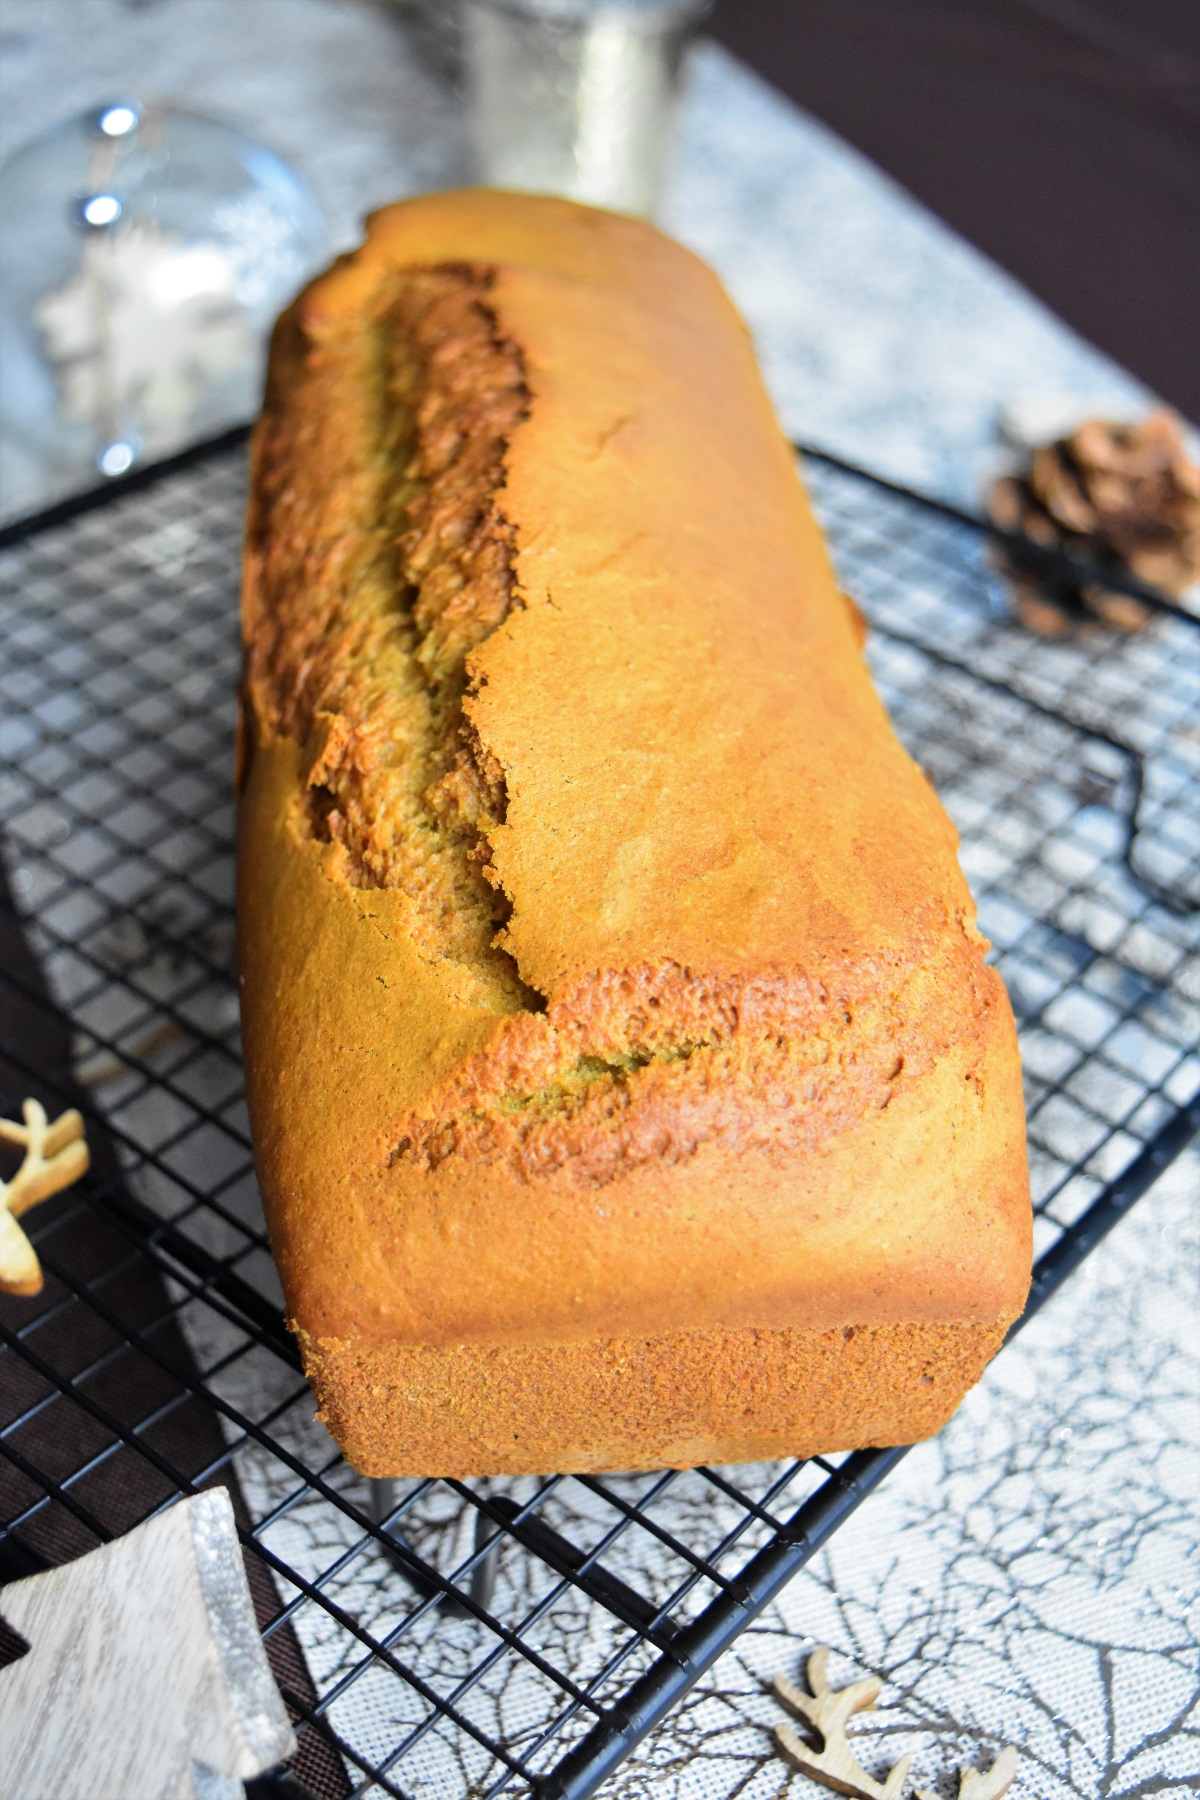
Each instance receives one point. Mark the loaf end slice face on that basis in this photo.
(627, 1083)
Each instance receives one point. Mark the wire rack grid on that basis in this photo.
(438, 1638)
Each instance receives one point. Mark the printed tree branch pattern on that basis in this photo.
(1031, 1577)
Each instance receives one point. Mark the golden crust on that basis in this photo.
(637, 1403)
(734, 1065)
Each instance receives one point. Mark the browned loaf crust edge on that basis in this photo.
(692, 1398)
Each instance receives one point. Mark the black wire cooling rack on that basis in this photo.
(440, 1638)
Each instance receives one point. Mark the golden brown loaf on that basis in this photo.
(626, 1081)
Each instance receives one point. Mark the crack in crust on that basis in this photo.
(650, 1064)
(379, 583)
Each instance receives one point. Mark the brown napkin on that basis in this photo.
(62, 1436)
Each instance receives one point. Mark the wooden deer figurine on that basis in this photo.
(54, 1156)
(828, 1710)
(983, 1784)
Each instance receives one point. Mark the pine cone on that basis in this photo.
(1121, 496)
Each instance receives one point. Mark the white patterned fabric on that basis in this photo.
(1033, 1576)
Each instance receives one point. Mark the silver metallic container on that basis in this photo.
(576, 97)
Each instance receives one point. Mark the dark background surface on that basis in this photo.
(1060, 136)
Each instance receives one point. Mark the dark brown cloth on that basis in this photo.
(1060, 136)
(62, 1436)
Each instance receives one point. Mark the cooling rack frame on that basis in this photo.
(961, 645)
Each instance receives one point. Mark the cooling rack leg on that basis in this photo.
(383, 1498)
(382, 1502)
(483, 1575)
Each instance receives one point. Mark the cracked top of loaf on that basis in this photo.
(607, 963)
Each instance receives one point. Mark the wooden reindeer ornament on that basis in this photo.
(983, 1784)
(55, 1156)
(835, 1765)
(828, 1710)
